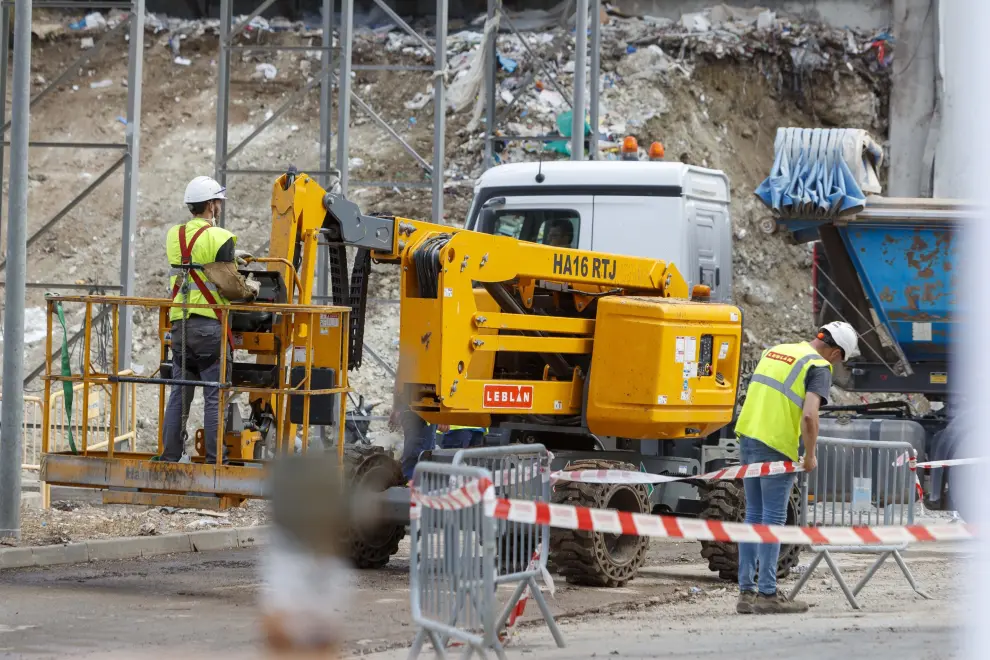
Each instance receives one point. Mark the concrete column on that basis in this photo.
(912, 95)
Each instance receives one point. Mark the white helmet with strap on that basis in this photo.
(844, 336)
(203, 189)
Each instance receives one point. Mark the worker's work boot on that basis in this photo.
(778, 604)
(746, 601)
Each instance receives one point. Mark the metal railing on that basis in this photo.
(452, 564)
(520, 472)
(31, 432)
(60, 425)
(858, 483)
(97, 418)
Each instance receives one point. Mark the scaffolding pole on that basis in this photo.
(12, 404)
(580, 63)
(129, 158)
(224, 153)
(132, 136)
(494, 117)
(346, 95)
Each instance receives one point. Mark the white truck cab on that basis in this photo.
(662, 210)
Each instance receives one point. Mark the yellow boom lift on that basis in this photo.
(493, 330)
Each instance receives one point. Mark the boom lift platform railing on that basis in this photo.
(296, 346)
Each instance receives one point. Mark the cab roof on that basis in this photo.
(690, 179)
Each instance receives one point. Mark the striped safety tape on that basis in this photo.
(468, 495)
(630, 477)
(607, 521)
(951, 462)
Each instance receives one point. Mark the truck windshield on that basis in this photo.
(556, 227)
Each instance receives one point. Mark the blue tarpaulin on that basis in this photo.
(820, 173)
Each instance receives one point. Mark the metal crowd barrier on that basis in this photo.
(858, 483)
(520, 472)
(452, 565)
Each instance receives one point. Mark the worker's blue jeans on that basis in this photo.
(417, 437)
(766, 503)
(195, 356)
(462, 439)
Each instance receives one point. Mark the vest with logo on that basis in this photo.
(775, 399)
(203, 251)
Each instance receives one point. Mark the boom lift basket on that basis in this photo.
(300, 373)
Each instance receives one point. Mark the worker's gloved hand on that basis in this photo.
(242, 257)
(254, 285)
(333, 186)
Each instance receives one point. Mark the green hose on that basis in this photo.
(66, 371)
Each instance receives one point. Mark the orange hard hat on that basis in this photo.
(656, 151)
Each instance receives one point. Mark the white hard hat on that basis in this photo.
(203, 189)
(845, 337)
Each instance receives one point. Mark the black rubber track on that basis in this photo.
(378, 471)
(726, 501)
(584, 557)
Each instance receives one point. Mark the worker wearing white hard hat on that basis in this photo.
(790, 384)
(203, 273)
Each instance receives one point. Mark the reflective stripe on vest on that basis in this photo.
(483, 429)
(775, 399)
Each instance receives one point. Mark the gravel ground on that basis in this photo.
(68, 521)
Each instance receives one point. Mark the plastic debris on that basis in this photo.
(95, 21)
(100, 84)
(696, 22)
(86, 43)
(507, 63)
(202, 523)
(419, 101)
(266, 70)
(183, 61)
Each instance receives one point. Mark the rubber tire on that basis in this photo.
(726, 501)
(582, 557)
(372, 466)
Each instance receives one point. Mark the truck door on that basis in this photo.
(706, 268)
(561, 220)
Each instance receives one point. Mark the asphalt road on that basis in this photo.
(203, 605)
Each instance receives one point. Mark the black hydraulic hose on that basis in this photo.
(497, 290)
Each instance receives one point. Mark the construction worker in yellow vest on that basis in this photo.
(203, 264)
(461, 437)
(790, 384)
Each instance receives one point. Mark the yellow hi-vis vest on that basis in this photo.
(775, 399)
(202, 250)
(454, 427)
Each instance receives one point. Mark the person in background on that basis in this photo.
(560, 233)
(790, 384)
(417, 435)
(461, 437)
(203, 272)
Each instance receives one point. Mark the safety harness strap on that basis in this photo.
(185, 252)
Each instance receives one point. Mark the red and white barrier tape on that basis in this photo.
(468, 495)
(951, 462)
(520, 607)
(630, 477)
(608, 521)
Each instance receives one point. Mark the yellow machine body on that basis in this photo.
(663, 369)
(626, 317)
